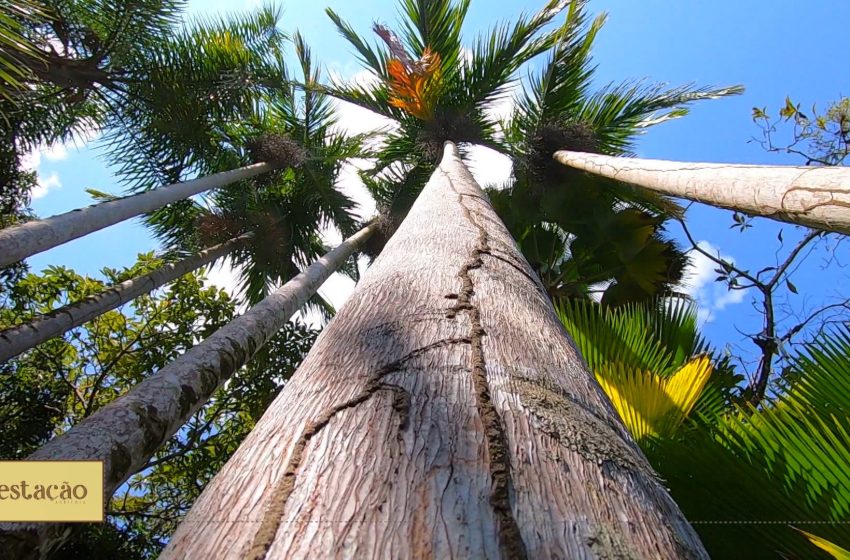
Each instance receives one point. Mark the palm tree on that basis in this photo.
(436, 89)
(435, 93)
(72, 63)
(746, 476)
(444, 389)
(817, 197)
(204, 59)
(128, 431)
(577, 230)
(278, 220)
(286, 210)
(21, 337)
(30, 238)
(282, 215)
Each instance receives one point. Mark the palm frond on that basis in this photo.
(650, 405)
(376, 60)
(14, 43)
(556, 93)
(498, 55)
(764, 471)
(434, 24)
(831, 548)
(618, 112)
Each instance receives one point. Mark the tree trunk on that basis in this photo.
(25, 240)
(127, 432)
(19, 338)
(63, 72)
(443, 413)
(817, 197)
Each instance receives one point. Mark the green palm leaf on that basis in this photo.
(764, 471)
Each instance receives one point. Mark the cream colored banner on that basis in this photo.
(51, 490)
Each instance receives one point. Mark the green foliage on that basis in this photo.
(14, 44)
(50, 388)
(193, 87)
(764, 471)
(745, 476)
(217, 98)
(577, 231)
(75, 61)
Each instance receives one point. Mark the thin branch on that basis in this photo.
(809, 237)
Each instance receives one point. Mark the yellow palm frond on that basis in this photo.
(651, 405)
(829, 547)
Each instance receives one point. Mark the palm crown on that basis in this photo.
(577, 231)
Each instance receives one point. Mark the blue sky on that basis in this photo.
(773, 47)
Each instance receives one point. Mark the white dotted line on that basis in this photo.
(769, 522)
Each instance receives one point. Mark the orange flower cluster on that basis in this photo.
(414, 88)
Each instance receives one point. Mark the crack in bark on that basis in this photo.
(491, 253)
(273, 516)
(510, 538)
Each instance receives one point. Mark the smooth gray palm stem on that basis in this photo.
(25, 240)
(19, 338)
(127, 432)
(817, 197)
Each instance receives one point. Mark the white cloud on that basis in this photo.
(503, 107)
(56, 152)
(489, 167)
(699, 282)
(31, 161)
(45, 185)
(224, 276)
(354, 119)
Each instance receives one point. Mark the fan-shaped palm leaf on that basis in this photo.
(649, 404)
(650, 355)
(764, 471)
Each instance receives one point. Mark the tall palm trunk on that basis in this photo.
(25, 240)
(127, 432)
(817, 197)
(443, 413)
(19, 338)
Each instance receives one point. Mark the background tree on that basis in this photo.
(82, 69)
(56, 385)
(175, 130)
(582, 232)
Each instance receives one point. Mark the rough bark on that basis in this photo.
(25, 240)
(443, 413)
(127, 432)
(817, 197)
(19, 338)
